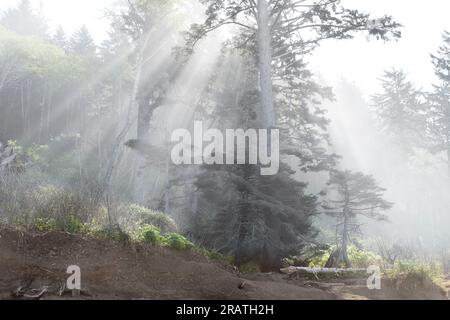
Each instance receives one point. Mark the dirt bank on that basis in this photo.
(34, 264)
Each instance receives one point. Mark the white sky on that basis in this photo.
(357, 60)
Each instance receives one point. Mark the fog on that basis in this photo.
(99, 119)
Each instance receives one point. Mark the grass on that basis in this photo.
(413, 274)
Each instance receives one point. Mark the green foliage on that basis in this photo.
(150, 217)
(177, 242)
(320, 260)
(70, 224)
(55, 202)
(412, 274)
(150, 234)
(359, 258)
(114, 233)
(44, 225)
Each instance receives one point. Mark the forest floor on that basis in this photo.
(34, 266)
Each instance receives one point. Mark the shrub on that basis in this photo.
(114, 233)
(147, 216)
(150, 234)
(359, 258)
(177, 242)
(43, 224)
(71, 224)
(413, 274)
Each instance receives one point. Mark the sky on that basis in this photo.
(358, 60)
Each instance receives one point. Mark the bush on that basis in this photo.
(44, 225)
(413, 274)
(150, 234)
(177, 242)
(114, 233)
(359, 258)
(139, 214)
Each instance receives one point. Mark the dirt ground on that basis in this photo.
(34, 266)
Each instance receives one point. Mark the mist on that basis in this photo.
(356, 94)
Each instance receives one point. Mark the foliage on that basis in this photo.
(350, 196)
(359, 258)
(147, 216)
(399, 109)
(24, 20)
(149, 234)
(413, 274)
(177, 242)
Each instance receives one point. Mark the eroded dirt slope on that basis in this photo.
(34, 265)
(113, 271)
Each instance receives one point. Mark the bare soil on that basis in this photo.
(33, 266)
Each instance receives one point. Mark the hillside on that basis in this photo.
(32, 263)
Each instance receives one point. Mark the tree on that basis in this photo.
(23, 20)
(236, 210)
(300, 25)
(399, 110)
(145, 18)
(81, 43)
(60, 39)
(351, 195)
(438, 111)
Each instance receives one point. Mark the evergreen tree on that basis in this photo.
(438, 111)
(24, 20)
(81, 43)
(351, 195)
(237, 211)
(60, 39)
(280, 28)
(399, 110)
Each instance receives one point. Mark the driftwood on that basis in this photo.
(36, 294)
(323, 272)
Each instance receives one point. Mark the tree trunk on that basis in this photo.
(141, 183)
(344, 247)
(265, 65)
(130, 117)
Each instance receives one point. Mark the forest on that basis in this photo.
(285, 187)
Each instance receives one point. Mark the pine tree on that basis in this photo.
(399, 110)
(438, 111)
(351, 195)
(60, 39)
(82, 43)
(24, 20)
(237, 211)
(279, 28)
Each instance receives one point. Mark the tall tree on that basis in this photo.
(302, 24)
(60, 39)
(145, 17)
(24, 20)
(438, 111)
(351, 195)
(399, 110)
(82, 43)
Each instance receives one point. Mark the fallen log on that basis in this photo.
(323, 272)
